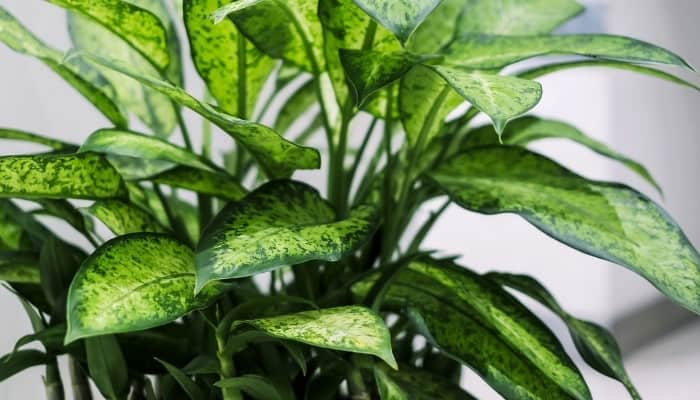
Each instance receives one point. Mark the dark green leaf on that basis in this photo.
(191, 388)
(58, 262)
(77, 176)
(281, 223)
(606, 220)
(423, 385)
(13, 363)
(369, 71)
(133, 282)
(295, 106)
(122, 217)
(202, 365)
(351, 328)
(216, 184)
(256, 386)
(401, 18)
(107, 366)
(19, 267)
(12, 235)
(64, 210)
(14, 134)
(388, 389)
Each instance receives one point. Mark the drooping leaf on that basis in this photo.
(351, 328)
(481, 325)
(369, 71)
(423, 385)
(216, 184)
(281, 223)
(15, 134)
(13, 34)
(107, 366)
(278, 156)
(122, 217)
(502, 98)
(193, 391)
(142, 30)
(491, 52)
(19, 267)
(13, 363)
(400, 17)
(224, 59)
(295, 106)
(256, 386)
(66, 211)
(597, 346)
(131, 283)
(438, 29)
(606, 220)
(77, 176)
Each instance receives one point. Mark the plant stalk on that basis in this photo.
(79, 382)
(52, 382)
(227, 369)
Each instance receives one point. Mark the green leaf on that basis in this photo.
(217, 184)
(278, 156)
(423, 385)
(64, 210)
(502, 98)
(387, 388)
(297, 37)
(492, 52)
(477, 323)
(351, 328)
(77, 176)
(122, 217)
(369, 71)
(13, 363)
(133, 282)
(14, 134)
(401, 18)
(295, 106)
(107, 366)
(13, 34)
(256, 386)
(142, 30)
(193, 391)
(281, 223)
(136, 145)
(606, 220)
(597, 346)
(19, 267)
(58, 262)
(224, 59)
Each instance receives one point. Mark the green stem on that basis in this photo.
(79, 382)
(427, 226)
(52, 382)
(227, 369)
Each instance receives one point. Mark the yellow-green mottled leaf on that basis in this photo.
(122, 217)
(481, 325)
(11, 231)
(227, 62)
(15, 134)
(502, 98)
(281, 223)
(418, 384)
(216, 184)
(606, 220)
(278, 156)
(369, 71)
(136, 26)
(400, 17)
(491, 52)
(14, 35)
(19, 267)
(133, 282)
(76, 176)
(351, 328)
(597, 346)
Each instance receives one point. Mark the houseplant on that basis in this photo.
(266, 289)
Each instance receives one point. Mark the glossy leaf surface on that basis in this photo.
(606, 220)
(122, 217)
(400, 17)
(216, 184)
(370, 71)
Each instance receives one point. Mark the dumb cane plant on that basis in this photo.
(268, 290)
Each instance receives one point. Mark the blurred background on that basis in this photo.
(649, 120)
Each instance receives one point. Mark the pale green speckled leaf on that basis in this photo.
(597, 346)
(278, 156)
(217, 184)
(219, 51)
(607, 220)
(76, 176)
(138, 27)
(420, 384)
(369, 71)
(14, 35)
(354, 329)
(122, 217)
(502, 98)
(281, 223)
(133, 282)
(400, 17)
(492, 52)
(19, 267)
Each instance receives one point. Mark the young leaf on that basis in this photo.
(131, 283)
(13, 34)
(281, 223)
(191, 388)
(225, 60)
(77, 176)
(122, 217)
(597, 346)
(351, 328)
(423, 385)
(139, 28)
(14, 134)
(256, 386)
(492, 52)
(217, 184)
(107, 366)
(401, 18)
(19, 267)
(369, 71)
(18, 361)
(606, 220)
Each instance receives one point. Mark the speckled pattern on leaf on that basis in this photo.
(122, 217)
(351, 328)
(606, 220)
(216, 184)
(131, 283)
(75, 176)
(281, 223)
(369, 71)
(19, 267)
(400, 17)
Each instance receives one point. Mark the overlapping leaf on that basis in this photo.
(122, 217)
(19, 267)
(401, 18)
(217, 184)
(370, 71)
(417, 384)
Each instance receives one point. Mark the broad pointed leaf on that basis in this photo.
(228, 63)
(13, 34)
(193, 391)
(597, 346)
(606, 220)
(369, 71)
(400, 17)
(131, 283)
(77, 176)
(216, 184)
(351, 328)
(492, 52)
(107, 366)
(424, 385)
(58, 262)
(122, 217)
(14, 134)
(295, 107)
(281, 223)
(19, 267)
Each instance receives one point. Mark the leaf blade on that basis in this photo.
(401, 18)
